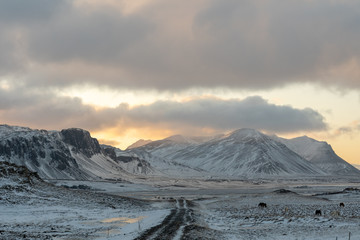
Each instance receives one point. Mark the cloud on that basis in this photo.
(172, 45)
(26, 12)
(100, 37)
(20, 106)
(252, 112)
(46, 110)
(267, 43)
(350, 129)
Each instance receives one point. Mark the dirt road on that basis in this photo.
(172, 227)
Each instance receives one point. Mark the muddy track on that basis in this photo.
(171, 228)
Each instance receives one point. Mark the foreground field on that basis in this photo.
(228, 210)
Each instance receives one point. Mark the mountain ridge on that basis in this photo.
(189, 155)
(244, 153)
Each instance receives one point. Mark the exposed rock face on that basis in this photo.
(36, 149)
(110, 152)
(130, 162)
(68, 154)
(81, 141)
(18, 174)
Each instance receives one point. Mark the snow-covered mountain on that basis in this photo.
(356, 166)
(165, 147)
(157, 152)
(67, 154)
(138, 143)
(243, 153)
(320, 154)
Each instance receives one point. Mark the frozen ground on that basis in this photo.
(229, 209)
(180, 209)
(46, 212)
(287, 216)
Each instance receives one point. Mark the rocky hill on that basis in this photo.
(67, 154)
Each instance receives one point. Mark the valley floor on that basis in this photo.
(228, 210)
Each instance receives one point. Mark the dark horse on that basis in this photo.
(262, 205)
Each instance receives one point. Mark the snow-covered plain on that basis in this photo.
(229, 209)
(33, 209)
(287, 216)
(221, 209)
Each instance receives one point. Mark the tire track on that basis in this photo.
(171, 228)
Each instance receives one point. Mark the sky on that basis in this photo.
(147, 69)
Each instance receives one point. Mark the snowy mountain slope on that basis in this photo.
(320, 154)
(68, 154)
(163, 148)
(356, 166)
(243, 153)
(165, 167)
(139, 143)
(157, 154)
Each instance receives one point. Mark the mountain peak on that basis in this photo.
(244, 133)
(138, 143)
(81, 140)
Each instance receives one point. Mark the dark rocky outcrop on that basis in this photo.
(81, 141)
(45, 151)
(111, 152)
(22, 147)
(66, 154)
(19, 174)
(284, 191)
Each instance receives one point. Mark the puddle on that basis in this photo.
(122, 220)
(112, 226)
(116, 222)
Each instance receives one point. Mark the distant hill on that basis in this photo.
(320, 154)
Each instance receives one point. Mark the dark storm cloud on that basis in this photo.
(8, 58)
(248, 44)
(48, 111)
(101, 37)
(25, 12)
(267, 43)
(44, 110)
(252, 112)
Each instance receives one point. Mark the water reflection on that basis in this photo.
(122, 220)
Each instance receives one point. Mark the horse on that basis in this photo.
(262, 205)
